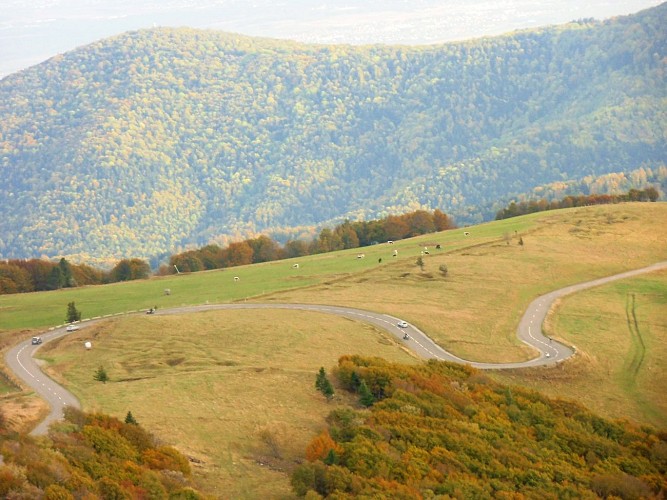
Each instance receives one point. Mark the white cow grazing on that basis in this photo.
(236, 278)
(295, 266)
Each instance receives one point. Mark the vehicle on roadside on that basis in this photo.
(402, 324)
(36, 340)
(72, 328)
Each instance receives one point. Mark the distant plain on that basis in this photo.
(35, 30)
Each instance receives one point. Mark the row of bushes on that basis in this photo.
(528, 207)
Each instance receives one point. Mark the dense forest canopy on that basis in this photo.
(92, 455)
(448, 431)
(148, 142)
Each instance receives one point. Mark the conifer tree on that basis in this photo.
(366, 397)
(323, 384)
(319, 381)
(72, 313)
(101, 375)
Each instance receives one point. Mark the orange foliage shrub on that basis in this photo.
(320, 447)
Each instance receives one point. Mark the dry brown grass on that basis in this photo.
(21, 411)
(473, 312)
(614, 373)
(232, 389)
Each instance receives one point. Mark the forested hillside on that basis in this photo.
(442, 429)
(91, 455)
(146, 142)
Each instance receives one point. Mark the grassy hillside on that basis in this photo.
(619, 330)
(234, 391)
(143, 143)
(260, 366)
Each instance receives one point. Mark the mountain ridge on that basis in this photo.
(154, 140)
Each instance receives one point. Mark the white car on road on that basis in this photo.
(72, 328)
(402, 324)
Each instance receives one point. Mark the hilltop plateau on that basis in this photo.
(247, 378)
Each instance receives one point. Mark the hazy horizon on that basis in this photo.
(32, 31)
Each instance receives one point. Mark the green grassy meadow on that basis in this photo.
(45, 309)
(220, 385)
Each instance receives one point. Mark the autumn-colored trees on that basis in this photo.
(93, 456)
(345, 235)
(176, 137)
(444, 429)
(19, 275)
(515, 209)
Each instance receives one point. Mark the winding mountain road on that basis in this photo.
(20, 358)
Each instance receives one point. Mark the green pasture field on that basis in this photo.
(46, 309)
(620, 331)
(234, 390)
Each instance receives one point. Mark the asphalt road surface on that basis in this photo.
(20, 358)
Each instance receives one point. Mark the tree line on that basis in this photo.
(346, 235)
(35, 275)
(439, 429)
(515, 209)
(32, 275)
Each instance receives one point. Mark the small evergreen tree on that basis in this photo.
(129, 419)
(444, 269)
(331, 458)
(366, 397)
(323, 384)
(319, 380)
(72, 313)
(328, 390)
(101, 375)
(355, 381)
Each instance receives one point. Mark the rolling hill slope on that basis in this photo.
(142, 143)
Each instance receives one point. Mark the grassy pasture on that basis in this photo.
(258, 392)
(621, 371)
(45, 309)
(234, 390)
(473, 312)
